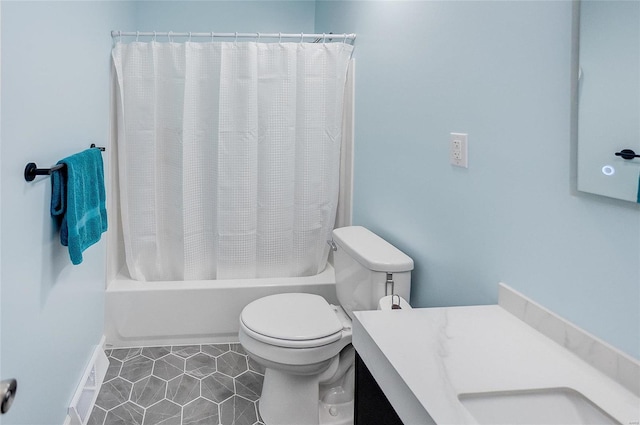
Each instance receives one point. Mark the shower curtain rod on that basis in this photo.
(301, 36)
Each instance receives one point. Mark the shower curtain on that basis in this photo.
(228, 156)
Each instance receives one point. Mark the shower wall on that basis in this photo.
(226, 16)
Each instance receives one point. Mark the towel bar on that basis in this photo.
(32, 170)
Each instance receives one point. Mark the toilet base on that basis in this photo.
(336, 414)
(328, 414)
(288, 399)
(297, 400)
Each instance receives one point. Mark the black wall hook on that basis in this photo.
(627, 154)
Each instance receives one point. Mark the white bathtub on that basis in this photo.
(141, 314)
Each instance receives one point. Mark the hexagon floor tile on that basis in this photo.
(182, 385)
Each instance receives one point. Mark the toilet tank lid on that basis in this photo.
(371, 250)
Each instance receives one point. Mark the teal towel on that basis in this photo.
(78, 201)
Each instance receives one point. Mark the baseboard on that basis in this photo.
(88, 387)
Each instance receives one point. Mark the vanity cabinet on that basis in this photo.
(371, 405)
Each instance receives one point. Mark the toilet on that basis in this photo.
(304, 343)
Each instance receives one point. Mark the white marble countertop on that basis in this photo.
(424, 358)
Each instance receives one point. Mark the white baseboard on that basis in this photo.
(88, 387)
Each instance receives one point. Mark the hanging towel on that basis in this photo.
(78, 201)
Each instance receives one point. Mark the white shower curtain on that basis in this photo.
(228, 156)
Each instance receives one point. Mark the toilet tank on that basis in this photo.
(362, 261)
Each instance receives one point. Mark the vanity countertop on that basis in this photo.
(424, 358)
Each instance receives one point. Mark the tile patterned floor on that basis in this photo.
(181, 385)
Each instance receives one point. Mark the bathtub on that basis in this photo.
(139, 314)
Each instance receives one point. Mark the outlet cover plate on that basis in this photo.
(458, 150)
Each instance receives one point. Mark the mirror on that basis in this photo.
(608, 98)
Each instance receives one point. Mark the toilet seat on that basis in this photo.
(294, 320)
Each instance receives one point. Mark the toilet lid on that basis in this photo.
(295, 317)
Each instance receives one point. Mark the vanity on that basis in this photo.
(511, 363)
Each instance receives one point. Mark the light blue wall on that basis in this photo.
(500, 72)
(55, 102)
(226, 16)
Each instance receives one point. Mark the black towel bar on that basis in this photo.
(32, 170)
(627, 154)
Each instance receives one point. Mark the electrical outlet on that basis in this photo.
(458, 150)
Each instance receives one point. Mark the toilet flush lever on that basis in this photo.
(332, 244)
(389, 283)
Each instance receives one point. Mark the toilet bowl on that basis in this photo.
(298, 339)
(304, 343)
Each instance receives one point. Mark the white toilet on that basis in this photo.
(304, 343)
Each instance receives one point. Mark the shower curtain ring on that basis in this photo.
(189, 36)
(154, 36)
(259, 37)
(301, 37)
(137, 35)
(279, 37)
(345, 39)
(169, 36)
(212, 35)
(324, 38)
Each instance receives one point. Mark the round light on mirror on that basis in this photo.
(608, 170)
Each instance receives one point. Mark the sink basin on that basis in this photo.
(552, 406)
